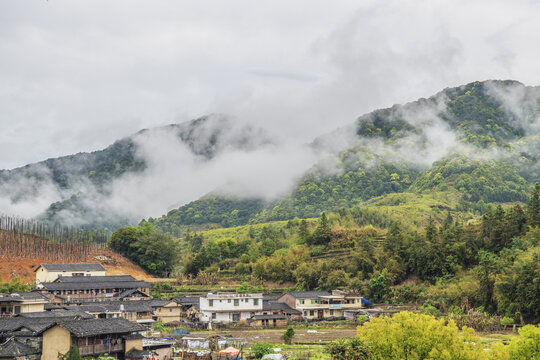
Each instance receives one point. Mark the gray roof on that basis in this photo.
(128, 293)
(276, 306)
(268, 317)
(10, 325)
(308, 294)
(271, 297)
(72, 267)
(113, 306)
(93, 327)
(80, 279)
(32, 295)
(63, 314)
(187, 300)
(90, 285)
(157, 302)
(13, 348)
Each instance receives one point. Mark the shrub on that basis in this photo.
(261, 348)
(348, 349)
(288, 335)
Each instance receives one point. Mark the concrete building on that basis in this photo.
(50, 272)
(19, 303)
(229, 308)
(320, 305)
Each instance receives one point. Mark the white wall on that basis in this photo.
(225, 305)
(43, 275)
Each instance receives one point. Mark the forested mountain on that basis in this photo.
(483, 138)
(479, 141)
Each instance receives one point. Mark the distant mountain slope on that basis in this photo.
(73, 182)
(480, 140)
(483, 137)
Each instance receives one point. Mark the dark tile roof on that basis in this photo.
(130, 292)
(271, 297)
(32, 325)
(32, 295)
(94, 327)
(158, 302)
(113, 306)
(72, 267)
(87, 285)
(269, 317)
(80, 279)
(187, 300)
(62, 314)
(13, 348)
(308, 294)
(275, 306)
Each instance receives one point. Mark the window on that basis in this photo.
(214, 316)
(236, 302)
(331, 312)
(255, 301)
(210, 302)
(302, 301)
(310, 312)
(305, 313)
(170, 309)
(229, 301)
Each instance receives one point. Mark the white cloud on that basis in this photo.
(77, 75)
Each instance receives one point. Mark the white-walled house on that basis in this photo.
(229, 308)
(51, 272)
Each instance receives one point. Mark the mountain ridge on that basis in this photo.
(387, 148)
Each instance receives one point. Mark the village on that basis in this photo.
(78, 305)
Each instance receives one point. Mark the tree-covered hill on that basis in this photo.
(493, 158)
(480, 141)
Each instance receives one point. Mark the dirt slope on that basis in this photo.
(115, 264)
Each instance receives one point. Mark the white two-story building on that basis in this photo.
(229, 308)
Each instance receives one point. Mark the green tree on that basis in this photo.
(303, 230)
(323, 233)
(380, 286)
(533, 209)
(288, 335)
(122, 239)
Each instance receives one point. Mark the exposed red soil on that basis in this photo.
(115, 264)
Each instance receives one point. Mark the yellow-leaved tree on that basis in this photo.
(418, 336)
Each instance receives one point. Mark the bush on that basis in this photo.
(288, 335)
(507, 320)
(527, 345)
(261, 348)
(348, 349)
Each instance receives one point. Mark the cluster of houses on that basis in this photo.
(78, 305)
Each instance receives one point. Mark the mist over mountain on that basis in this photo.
(447, 140)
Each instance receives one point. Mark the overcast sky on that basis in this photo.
(77, 75)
